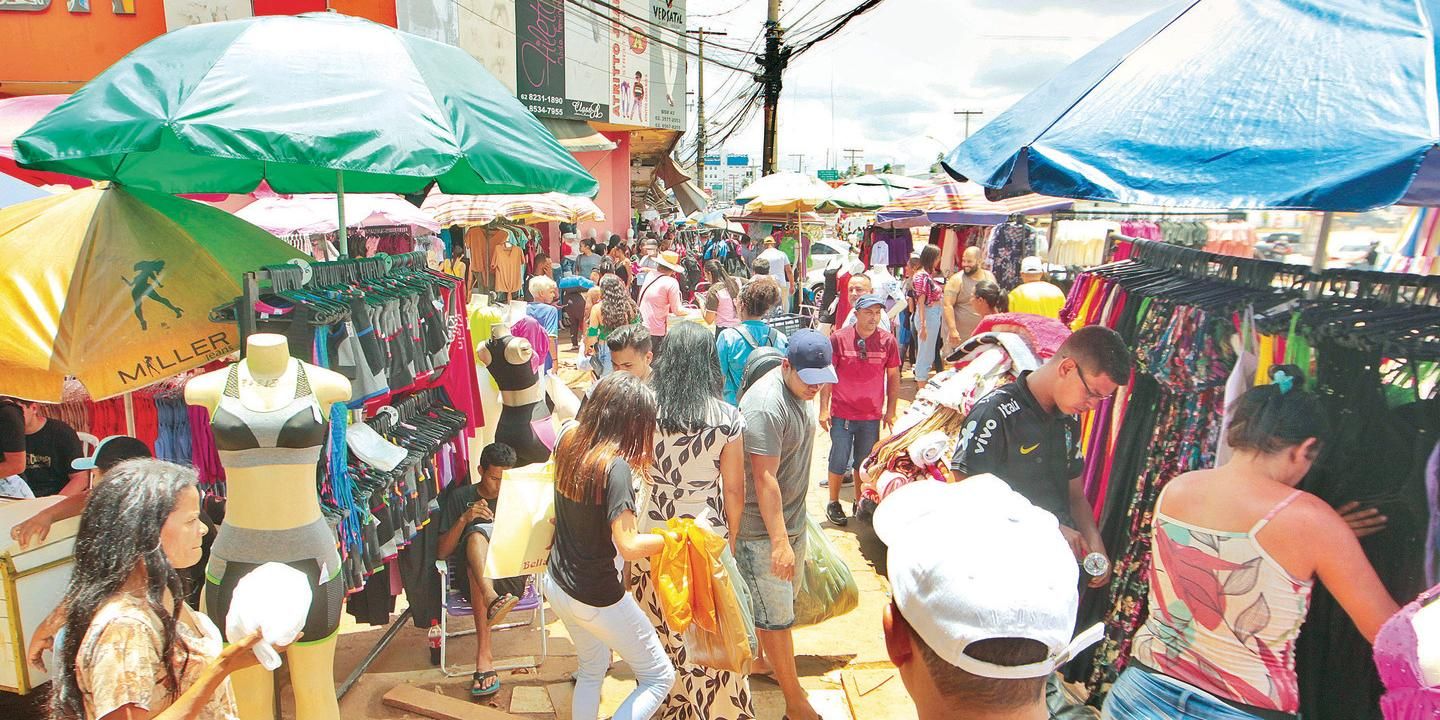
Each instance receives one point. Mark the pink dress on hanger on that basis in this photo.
(1407, 697)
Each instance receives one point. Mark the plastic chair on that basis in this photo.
(88, 443)
(454, 603)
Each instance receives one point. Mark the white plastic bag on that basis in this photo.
(275, 600)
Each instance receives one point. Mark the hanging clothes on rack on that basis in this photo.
(1010, 242)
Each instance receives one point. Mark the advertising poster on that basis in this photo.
(587, 66)
(540, 56)
(667, 65)
(487, 33)
(629, 65)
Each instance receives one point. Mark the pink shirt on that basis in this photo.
(658, 300)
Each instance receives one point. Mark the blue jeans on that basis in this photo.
(851, 442)
(927, 346)
(1140, 695)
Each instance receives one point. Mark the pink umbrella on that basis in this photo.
(283, 215)
(17, 114)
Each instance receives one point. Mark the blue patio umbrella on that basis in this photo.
(1300, 104)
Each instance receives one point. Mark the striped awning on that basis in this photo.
(961, 203)
(485, 209)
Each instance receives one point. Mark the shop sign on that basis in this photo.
(667, 65)
(540, 56)
(629, 68)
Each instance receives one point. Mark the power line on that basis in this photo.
(680, 33)
(743, 3)
(652, 38)
(857, 11)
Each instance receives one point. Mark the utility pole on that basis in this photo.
(799, 162)
(967, 114)
(701, 135)
(772, 67)
(854, 153)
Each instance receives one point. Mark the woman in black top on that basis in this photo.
(595, 521)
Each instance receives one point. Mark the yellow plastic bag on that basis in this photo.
(827, 588)
(681, 574)
(731, 645)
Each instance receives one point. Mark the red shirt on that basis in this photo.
(859, 393)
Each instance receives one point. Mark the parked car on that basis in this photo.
(1277, 245)
(822, 252)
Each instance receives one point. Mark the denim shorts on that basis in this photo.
(851, 442)
(772, 599)
(1141, 695)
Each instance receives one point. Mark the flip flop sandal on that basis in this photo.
(484, 684)
(500, 608)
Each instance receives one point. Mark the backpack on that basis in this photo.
(758, 365)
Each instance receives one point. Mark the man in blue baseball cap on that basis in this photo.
(780, 426)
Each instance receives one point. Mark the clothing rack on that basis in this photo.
(1201, 264)
(1225, 215)
(298, 273)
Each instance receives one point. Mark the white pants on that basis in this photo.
(621, 627)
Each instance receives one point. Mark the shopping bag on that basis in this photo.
(731, 645)
(827, 589)
(681, 573)
(525, 523)
(742, 593)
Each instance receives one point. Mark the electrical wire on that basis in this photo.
(680, 33)
(743, 3)
(652, 38)
(828, 32)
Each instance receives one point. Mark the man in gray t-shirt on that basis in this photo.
(780, 424)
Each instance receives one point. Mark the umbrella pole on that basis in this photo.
(1322, 250)
(129, 402)
(343, 235)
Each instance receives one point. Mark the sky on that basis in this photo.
(889, 83)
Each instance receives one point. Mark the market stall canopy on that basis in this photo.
(309, 214)
(1310, 104)
(18, 114)
(784, 192)
(961, 203)
(577, 135)
(319, 102)
(115, 287)
(485, 209)
(870, 192)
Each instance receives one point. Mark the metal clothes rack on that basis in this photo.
(1202, 264)
(1226, 215)
(298, 273)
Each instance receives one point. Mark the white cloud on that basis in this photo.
(900, 71)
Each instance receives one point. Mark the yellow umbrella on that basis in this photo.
(115, 287)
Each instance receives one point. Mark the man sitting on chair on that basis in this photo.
(467, 514)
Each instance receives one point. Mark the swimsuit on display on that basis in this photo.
(525, 428)
(294, 434)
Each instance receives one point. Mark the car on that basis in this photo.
(1351, 253)
(1277, 245)
(822, 253)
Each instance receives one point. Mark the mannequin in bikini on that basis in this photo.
(269, 415)
(525, 423)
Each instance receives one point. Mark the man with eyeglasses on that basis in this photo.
(863, 398)
(1028, 432)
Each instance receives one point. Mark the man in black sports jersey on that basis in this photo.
(1028, 432)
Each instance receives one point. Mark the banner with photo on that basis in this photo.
(630, 78)
(540, 56)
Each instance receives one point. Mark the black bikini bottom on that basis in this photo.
(325, 603)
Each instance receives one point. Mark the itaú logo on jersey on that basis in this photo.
(1009, 408)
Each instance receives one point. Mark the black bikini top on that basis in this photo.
(290, 435)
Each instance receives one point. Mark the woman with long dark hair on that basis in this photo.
(595, 522)
(928, 293)
(1237, 551)
(989, 299)
(722, 299)
(698, 473)
(614, 311)
(132, 648)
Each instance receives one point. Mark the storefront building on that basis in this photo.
(592, 71)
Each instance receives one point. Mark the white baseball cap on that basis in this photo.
(973, 561)
(1032, 264)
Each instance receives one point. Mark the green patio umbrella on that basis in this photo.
(319, 102)
(869, 192)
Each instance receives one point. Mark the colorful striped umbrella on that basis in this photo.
(961, 203)
(485, 209)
